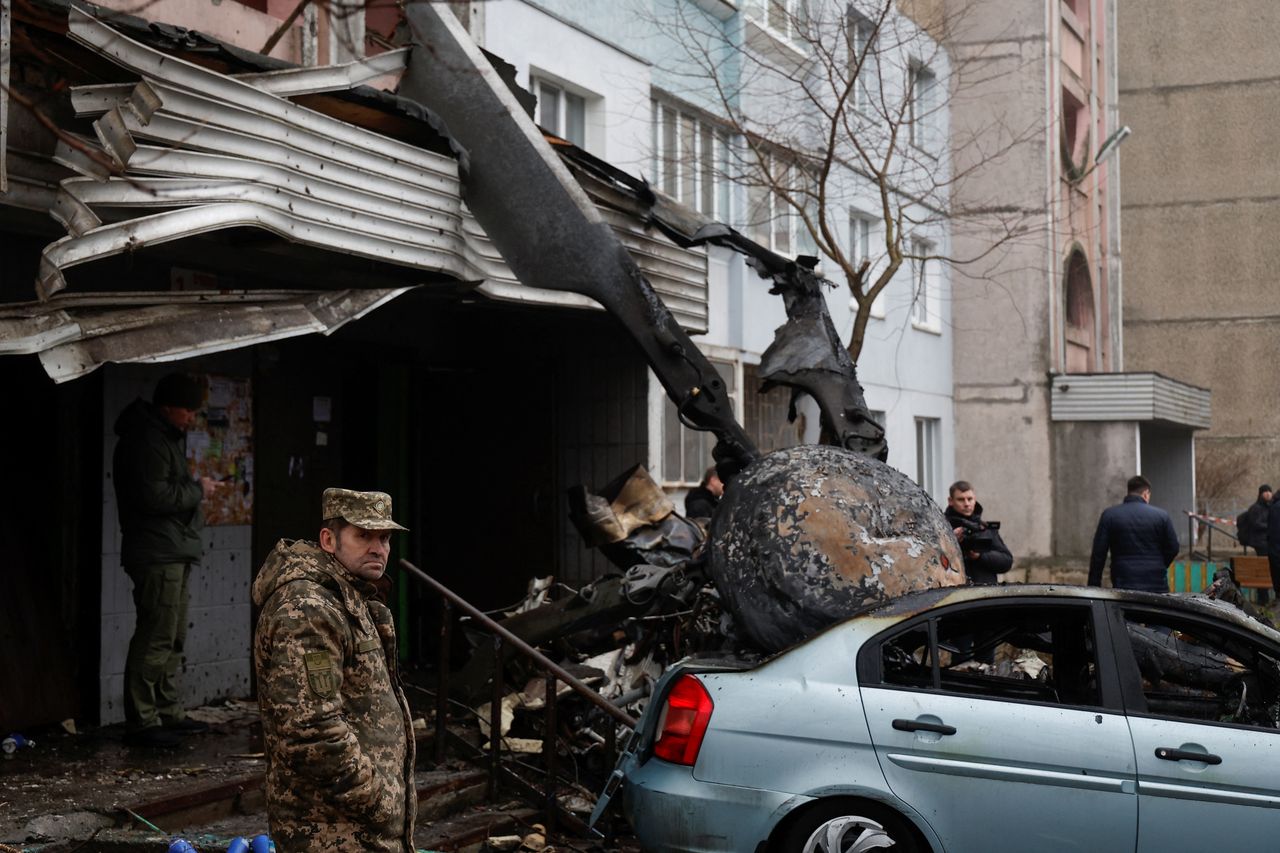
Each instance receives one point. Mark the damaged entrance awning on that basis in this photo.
(196, 151)
(75, 334)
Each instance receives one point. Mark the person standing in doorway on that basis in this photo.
(161, 522)
(1140, 539)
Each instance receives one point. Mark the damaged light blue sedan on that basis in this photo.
(1027, 719)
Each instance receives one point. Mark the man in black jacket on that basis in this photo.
(1251, 525)
(161, 522)
(1141, 540)
(1273, 544)
(985, 554)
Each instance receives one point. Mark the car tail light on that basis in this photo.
(684, 721)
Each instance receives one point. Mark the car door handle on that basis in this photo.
(919, 726)
(1166, 754)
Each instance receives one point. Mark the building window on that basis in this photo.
(1075, 136)
(928, 454)
(773, 221)
(861, 228)
(686, 453)
(689, 160)
(925, 286)
(562, 112)
(921, 105)
(1079, 332)
(861, 46)
(787, 18)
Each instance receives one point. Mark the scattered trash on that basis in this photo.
(181, 845)
(259, 844)
(15, 742)
(69, 726)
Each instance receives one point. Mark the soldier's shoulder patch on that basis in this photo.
(317, 660)
(321, 674)
(368, 644)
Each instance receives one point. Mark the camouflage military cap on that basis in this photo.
(370, 510)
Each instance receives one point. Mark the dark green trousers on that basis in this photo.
(160, 597)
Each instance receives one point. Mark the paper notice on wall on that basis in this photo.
(197, 446)
(220, 447)
(321, 409)
(219, 393)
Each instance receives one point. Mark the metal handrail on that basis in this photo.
(1212, 524)
(555, 673)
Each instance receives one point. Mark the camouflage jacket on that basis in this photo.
(336, 727)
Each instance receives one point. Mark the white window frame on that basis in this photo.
(668, 418)
(928, 454)
(922, 105)
(926, 286)
(564, 96)
(763, 12)
(861, 229)
(861, 38)
(770, 220)
(695, 174)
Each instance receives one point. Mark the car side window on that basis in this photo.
(1002, 651)
(1198, 672)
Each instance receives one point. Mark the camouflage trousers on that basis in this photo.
(160, 597)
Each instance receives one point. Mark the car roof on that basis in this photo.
(913, 603)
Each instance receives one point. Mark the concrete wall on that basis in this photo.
(216, 660)
(1091, 463)
(1168, 461)
(1201, 207)
(1002, 300)
(1009, 297)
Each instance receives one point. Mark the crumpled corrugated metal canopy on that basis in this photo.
(196, 151)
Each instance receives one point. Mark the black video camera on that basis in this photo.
(978, 535)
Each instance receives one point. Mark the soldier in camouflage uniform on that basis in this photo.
(336, 727)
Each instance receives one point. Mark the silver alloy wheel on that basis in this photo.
(847, 834)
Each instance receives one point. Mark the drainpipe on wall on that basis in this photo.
(1051, 190)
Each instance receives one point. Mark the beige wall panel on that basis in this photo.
(1002, 447)
(1236, 361)
(1181, 42)
(1004, 109)
(1212, 144)
(979, 21)
(1202, 261)
(999, 311)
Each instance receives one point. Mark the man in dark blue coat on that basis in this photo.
(1141, 540)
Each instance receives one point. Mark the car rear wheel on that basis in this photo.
(848, 826)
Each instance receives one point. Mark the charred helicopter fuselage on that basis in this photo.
(807, 536)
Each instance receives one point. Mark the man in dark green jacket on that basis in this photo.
(161, 521)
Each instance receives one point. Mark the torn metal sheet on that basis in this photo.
(75, 336)
(327, 78)
(6, 22)
(112, 239)
(811, 535)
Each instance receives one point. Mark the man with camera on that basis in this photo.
(985, 554)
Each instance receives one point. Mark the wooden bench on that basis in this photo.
(1251, 572)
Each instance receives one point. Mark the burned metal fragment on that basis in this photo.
(811, 535)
